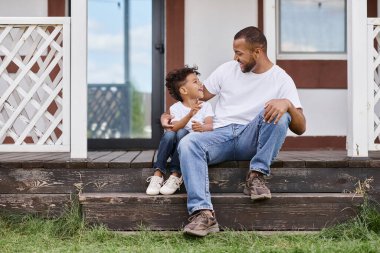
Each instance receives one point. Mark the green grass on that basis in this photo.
(69, 234)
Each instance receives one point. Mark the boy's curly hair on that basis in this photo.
(176, 78)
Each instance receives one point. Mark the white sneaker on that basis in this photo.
(155, 183)
(171, 185)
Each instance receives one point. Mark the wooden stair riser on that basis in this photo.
(234, 211)
(63, 180)
(46, 205)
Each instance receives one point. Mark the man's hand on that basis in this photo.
(197, 126)
(166, 121)
(274, 109)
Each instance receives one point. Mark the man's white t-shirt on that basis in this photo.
(242, 96)
(179, 111)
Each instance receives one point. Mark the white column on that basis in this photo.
(357, 134)
(270, 28)
(79, 79)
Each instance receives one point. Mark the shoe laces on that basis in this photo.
(259, 180)
(154, 180)
(198, 217)
(173, 182)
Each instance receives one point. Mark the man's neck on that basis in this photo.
(263, 66)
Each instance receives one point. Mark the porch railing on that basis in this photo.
(35, 84)
(373, 83)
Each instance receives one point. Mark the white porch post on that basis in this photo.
(357, 132)
(270, 28)
(79, 79)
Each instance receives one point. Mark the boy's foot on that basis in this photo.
(171, 185)
(255, 186)
(155, 183)
(201, 224)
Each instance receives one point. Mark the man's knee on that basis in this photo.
(285, 120)
(188, 141)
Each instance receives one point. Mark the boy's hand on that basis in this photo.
(197, 126)
(166, 121)
(195, 108)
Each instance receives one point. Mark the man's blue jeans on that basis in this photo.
(257, 141)
(168, 148)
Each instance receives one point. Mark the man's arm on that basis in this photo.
(207, 94)
(166, 121)
(275, 108)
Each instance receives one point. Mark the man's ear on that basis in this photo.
(183, 90)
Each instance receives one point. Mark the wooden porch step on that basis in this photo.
(285, 211)
(222, 180)
(46, 205)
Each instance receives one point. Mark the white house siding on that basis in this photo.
(209, 29)
(23, 8)
(325, 111)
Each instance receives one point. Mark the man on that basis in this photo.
(257, 104)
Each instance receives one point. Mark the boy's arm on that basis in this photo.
(206, 126)
(182, 122)
(177, 125)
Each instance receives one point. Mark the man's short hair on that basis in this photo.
(175, 79)
(254, 36)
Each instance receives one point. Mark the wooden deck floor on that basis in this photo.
(140, 159)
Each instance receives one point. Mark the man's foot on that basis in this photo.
(155, 183)
(171, 185)
(202, 223)
(255, 186)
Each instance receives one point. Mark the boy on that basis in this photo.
(188, 114)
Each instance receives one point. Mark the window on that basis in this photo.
(125, 73)
(311, 29)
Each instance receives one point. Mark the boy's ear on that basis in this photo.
(183, 90)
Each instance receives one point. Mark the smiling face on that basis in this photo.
(192, 88)
(245, 54)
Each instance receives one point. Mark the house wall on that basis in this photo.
(322, 85)
(23, 8)
(209, 30)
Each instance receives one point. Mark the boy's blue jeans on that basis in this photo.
(257, 141)
(168, 148)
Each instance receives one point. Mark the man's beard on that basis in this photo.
(248, 67)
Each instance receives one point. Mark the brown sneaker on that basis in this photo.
(201, 224)
(255, 186)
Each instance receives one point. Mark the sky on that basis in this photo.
(106, 43)
(313, 26)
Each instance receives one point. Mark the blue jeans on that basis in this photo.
(257, 141)
(168, 148)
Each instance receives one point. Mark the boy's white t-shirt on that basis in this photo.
(179, 111)
(242, 96)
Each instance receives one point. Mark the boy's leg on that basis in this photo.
(175, 164)
(165, 149)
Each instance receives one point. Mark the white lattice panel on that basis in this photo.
(35, 84)
(373, 83)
